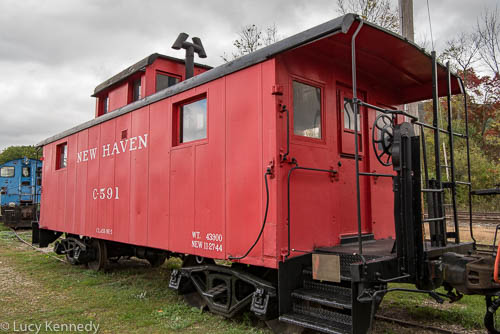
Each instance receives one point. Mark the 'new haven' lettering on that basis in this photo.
(124, 145)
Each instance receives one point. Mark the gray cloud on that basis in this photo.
(53, 53)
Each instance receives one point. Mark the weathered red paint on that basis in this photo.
(174, 196)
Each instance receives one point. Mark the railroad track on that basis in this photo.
(492, 218)
(414, 324)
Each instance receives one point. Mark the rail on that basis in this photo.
(438, 216)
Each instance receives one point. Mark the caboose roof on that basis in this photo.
(382, 55)
(137, 67)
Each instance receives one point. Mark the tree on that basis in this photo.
(488, 30)
(16, 152)
(379, 12)
(251, 38)
(463, 52)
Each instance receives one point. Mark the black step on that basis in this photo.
(323, 294)
(319, 320)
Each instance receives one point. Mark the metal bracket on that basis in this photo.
(270, 169)
(284, 157)
(334, 175)
(277, 90)
(260, 300)
(175, 279)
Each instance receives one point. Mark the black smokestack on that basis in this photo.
(191, 49)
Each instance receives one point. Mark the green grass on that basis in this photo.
(130, 299)
(135, 298)
(421, 308)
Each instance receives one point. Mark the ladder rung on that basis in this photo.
(462, 182)
(434, 219)
(432, 190)
(459, 135)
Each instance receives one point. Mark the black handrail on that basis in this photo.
(356, 151)
(468, 163)
(296, 167)
(452, 157)
(285, 110)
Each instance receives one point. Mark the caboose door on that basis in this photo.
(26, 190)
(347, 215)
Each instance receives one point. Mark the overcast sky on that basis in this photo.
(54, 53)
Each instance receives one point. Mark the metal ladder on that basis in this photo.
(434, 189)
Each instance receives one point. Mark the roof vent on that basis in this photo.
(191, 48)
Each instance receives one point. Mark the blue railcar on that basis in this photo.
(20, 188)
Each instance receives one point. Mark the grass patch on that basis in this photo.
(132, 298)
(467, 312)
(135, 298)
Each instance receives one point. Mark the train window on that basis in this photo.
(349, 116)
(62, 155)
(104, 105)
(164, 80)
(306, 110)
(346, 120)
(193, 121)
(26, 172)
(7, 171)
(136, 90)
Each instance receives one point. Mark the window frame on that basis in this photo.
(58, 163)
(132, 89)
(345, 133)
(176, 121)
(10, 167)
(28, 168)
(304, 139)
(167, 74)
(103, 100)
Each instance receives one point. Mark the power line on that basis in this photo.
(430, 24)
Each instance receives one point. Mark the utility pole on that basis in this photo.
(406, 19)
(406, 30)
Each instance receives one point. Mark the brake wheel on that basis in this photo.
(382, 139)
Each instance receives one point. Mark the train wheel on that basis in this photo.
(101, 255)
(491, 319)
(156, 260)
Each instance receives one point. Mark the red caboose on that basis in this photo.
(253, 161)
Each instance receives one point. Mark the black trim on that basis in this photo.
(340, 24)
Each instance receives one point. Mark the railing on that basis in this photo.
(435, 193)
